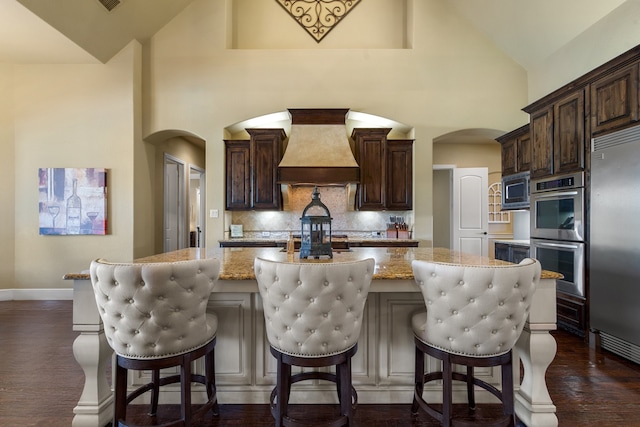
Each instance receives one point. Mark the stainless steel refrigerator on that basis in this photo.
(614, 241)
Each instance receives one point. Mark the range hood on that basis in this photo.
(318, 151)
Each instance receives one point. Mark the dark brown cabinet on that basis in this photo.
(568, 133)
(370, 154)
(572, 313)
(238, 175)
(511, 252)
(252, 171)
(266, 153)
(516, 151)
(399, 191)
(386, 170)
(614, 100)
(557, 131)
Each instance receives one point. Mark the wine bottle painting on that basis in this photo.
(72, 201)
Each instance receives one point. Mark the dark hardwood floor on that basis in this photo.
(40, 382)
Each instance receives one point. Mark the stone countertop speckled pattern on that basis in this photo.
(277, 240)
(391, 263)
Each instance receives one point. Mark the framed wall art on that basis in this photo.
(72, 201)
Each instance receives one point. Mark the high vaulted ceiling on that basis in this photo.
(78, 31)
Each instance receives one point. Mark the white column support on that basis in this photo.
(536, 349)
(92, 352)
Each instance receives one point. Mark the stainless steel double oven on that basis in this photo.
(557, 229)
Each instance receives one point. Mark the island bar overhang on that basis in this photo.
(382, 368)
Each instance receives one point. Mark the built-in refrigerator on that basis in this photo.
(614, 242)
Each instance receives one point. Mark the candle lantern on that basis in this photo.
(316, 229)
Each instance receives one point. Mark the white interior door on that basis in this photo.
(197, 205)
(470, 222)
(174, 205)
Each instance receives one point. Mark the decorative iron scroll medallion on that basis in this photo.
(318, 17)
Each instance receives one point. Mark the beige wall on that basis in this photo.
(452, 78)
(613, 35)
(470, 156)
(7, 178)
(71, 116)
(444, 77)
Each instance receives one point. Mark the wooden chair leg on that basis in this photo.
(283, 387)
(419, 379)
(471, 396)
(185, 398)
(120, 404)
(210, 375)
(155, 392)
(447, 392)
(344, 375)
(507, 392)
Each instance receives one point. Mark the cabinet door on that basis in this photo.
(542, 143)
(501, 251)
(508, 153)
(238, 175)
(523, 152)
(518, 253)
(265, 156)
(568, 136)
(614, 100)
(515, 151)
(371, 153)
(399, 191)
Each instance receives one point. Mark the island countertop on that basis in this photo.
(383, 368)
(392, 263)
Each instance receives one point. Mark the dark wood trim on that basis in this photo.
(319, 175)
(318, 116)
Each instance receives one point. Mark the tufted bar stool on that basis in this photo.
(155, 317)
(313, 316)
(474, 316)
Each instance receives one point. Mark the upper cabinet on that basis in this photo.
(614, 99)
(386, 170)
(252, 171)
(399, 191)
(371, 151)
(563, 122)
(516, 151)
(557, 132)
(238, 174)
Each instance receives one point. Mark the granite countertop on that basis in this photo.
(284, 240)
(513, 242)
(391, 263)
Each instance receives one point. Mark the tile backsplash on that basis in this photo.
(345, 219)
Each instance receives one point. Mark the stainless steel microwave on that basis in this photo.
(515, 191)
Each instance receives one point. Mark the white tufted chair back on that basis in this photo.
(475, 311)
(313, 310)
(151, 311)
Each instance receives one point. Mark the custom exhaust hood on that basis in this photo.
(318, 151)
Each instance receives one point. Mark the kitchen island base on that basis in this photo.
(382, 368)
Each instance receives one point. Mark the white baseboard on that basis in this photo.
(36, 294)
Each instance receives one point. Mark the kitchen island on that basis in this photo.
(382, 368)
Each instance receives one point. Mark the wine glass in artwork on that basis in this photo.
(92, 217)
(54, 210)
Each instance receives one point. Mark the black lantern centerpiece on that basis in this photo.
(316, 229)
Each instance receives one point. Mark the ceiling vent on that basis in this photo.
(109, 4)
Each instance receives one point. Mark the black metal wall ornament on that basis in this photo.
(318, 17)
(315, 238)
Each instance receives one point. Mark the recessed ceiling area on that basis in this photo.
(528, 31)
